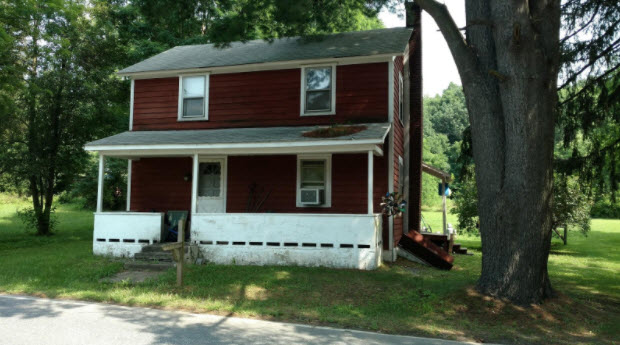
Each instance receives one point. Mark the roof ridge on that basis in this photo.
(330, 46)
(292, 37)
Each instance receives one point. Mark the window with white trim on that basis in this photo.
(314, 181)
(401, 109)
(318, 90)
(193, 97)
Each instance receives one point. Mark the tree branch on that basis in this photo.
(475, 23)
(564, 163)
(589, 84)
(591, 63)
(461, 52)
(582, 28)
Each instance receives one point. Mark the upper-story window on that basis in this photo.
(401, 93)
(318, 90)
(193, 97)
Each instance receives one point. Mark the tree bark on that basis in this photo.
(509, 66)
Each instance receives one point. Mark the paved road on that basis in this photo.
(30, 320)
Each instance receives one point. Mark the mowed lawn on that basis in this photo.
(403, 298)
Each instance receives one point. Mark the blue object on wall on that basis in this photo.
(447, 191)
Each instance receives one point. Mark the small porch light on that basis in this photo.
(187, 177)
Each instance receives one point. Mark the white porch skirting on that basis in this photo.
(123, 234)
(330, 240)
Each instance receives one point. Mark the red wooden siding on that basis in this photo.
(278, 174)
(266, 98)
(399, 140)
(157, 184)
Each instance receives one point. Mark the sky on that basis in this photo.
(437, 64)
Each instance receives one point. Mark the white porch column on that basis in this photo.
(100, 183)
(194, 183)
(443, 205)
(129, 184)
(370, 181)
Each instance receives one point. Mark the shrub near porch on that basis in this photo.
(403, 298)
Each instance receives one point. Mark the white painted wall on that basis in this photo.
(216, 235)
(123, 234)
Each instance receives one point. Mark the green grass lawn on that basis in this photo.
(401, 298)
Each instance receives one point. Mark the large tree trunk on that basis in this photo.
(508, 66)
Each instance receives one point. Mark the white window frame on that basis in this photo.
(401, 95)
(206, 98)
(302, 105)
(328, 179)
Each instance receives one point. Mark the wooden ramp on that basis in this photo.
(424, 249)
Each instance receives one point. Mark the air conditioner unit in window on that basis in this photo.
(312, 196)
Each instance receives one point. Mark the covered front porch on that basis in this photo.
(244, 202)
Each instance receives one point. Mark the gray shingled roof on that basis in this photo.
(374, 131)
(347, 44)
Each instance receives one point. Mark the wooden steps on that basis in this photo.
(424, 249)
(443, 241)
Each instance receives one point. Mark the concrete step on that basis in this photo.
(148, 265)
(154, 256)
(158, 247)
(153, 248)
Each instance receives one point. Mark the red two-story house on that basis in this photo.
(279, 151)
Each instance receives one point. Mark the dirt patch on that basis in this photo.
(131, 277)
(334, 131)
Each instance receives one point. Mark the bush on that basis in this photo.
(466, 203)
(115, 185)
(30, 221)
(571, 206)
(605, 209)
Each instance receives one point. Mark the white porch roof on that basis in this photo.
(238, 141)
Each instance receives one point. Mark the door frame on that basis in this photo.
(223, 160)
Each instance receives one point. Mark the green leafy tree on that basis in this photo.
(448, 113)
(148, 27)
(445, 118)
(65, 97)
(571, 204)
(466, 202)
(589, 116)
(84, 187)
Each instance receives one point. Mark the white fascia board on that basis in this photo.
(334, 144)
(387, 131)
(146, 151)
(266, 66)
(236, 145)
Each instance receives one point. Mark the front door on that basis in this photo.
(212, 186)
